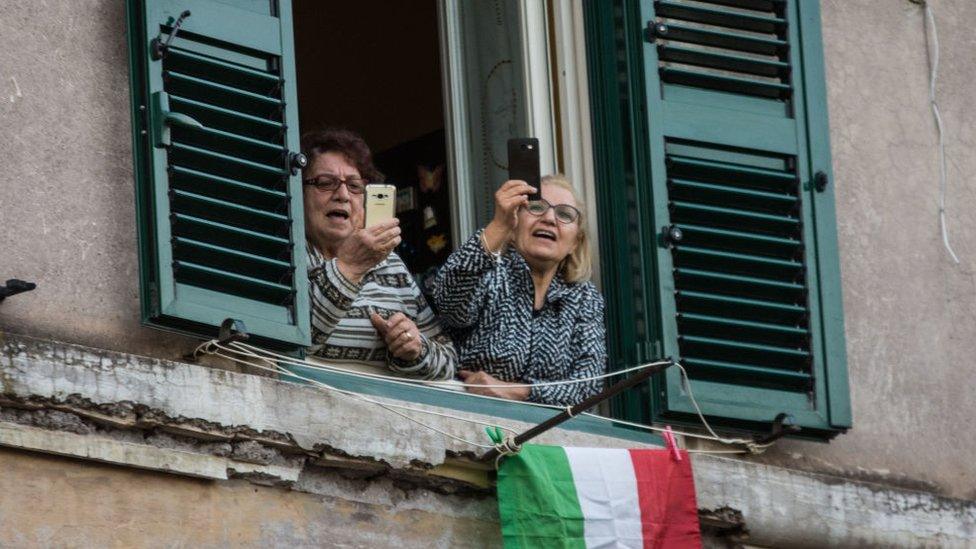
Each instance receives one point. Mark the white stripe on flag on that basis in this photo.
(607, 490)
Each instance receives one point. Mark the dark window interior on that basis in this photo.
(374, 67)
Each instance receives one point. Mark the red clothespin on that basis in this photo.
(671, 443)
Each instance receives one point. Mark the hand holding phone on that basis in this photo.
(523, 163)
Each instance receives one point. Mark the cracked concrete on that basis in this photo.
(73, 401)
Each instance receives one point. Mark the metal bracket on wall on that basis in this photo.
(231, 330)
(14, 287)
(783, 425)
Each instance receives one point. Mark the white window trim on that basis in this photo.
(568, 79)
(455, 118)
(575, 127)
(538, 80)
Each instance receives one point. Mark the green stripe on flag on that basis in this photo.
(537, 500)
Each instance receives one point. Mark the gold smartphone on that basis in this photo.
(380, 203)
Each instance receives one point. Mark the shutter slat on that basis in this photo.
(231, 260)
(758, 5)
(255, 288)
(748, 374)
(240, 139)
(222, 186)
(224, 96)
(232, 73)
(228, 235)
(724, 194)
(726, 62)
(742, 285)
(739, 240)
(219, 117)
(773, 285)
(687, 211)
(218, 141)
(238, 162)
(677, 32)
(755, 259)
(237, 209)
(759, 327)
(739, 301)
(738, 346)
(724, 171)
(730, 84)
(232, 252)
(722, 18)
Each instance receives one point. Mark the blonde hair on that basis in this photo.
(578, 265)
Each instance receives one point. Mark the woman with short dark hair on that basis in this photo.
(366, 308)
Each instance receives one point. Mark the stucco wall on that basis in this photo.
(67, 216)
(50, 501)
(910, 312)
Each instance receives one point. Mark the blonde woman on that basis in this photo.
(517, 301)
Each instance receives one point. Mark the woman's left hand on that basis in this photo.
(401, 335)
(514, 392)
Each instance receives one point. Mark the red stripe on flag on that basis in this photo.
(666, 493)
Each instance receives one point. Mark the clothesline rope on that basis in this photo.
(394, 408)
(264, 355)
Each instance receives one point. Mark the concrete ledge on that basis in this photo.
(269, 430)
(142, 456)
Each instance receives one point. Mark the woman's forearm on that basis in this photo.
(496, 236)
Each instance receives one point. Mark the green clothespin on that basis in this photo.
(495, 434)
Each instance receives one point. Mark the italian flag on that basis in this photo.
(549, 496)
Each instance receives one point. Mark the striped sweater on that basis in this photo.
(342, 331)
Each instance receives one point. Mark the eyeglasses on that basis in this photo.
(565, 213)
(326, 183)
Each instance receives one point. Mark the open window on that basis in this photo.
(221, 91)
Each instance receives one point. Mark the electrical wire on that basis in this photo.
(933, 55)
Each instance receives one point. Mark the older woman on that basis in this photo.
(517, 302)
(366, 308)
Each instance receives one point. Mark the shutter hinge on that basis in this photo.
(157, 48)
(671, 235)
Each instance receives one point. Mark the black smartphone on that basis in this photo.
(523, 163)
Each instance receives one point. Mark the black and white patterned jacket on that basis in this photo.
(488, 308)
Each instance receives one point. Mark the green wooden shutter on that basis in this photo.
(729, 100)
(219, 206)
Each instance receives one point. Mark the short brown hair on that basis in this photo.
(346, 142)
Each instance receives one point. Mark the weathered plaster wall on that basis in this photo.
(66, 213)
(57, 502)
(67, 206)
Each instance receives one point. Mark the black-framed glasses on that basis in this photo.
(331, 183)
(565, 213)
